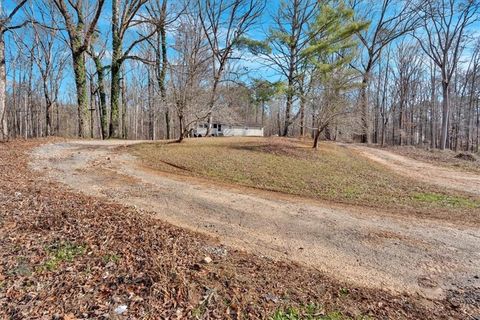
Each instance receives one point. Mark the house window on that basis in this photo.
(219, 127)
(214, 126)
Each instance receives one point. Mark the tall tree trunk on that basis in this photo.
(384, 128)
(115, 72)
(376, 126)
(469, 128)
(101, 93)
(445, 114)
(316, 138)
(364, 108)
(92, 107)
(3, 92)
(425, 121)
(478, 125)
(457, 128)
(181, 128)
(81, 85)
(115, 92)
(48, 106)
(211, 104)
(151, 127)
(167, 124)
(313, 123)
(209, 124)
(433, 142)
(16, 118)
(376, 122)
(124, 108)
(163, 70)
(25, 118)
(400, 123)
(302, 114)
(57, 116)
(288, 108)
(33, 123)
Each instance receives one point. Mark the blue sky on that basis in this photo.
(250, 63)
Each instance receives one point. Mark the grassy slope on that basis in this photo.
(332, 173)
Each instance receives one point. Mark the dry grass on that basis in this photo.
(445, 158)
(332, 173)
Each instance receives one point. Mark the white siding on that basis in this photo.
(201, 131)
(231, 132)
(243, 132)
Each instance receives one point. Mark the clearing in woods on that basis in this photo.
(337, 172)
(344, 210)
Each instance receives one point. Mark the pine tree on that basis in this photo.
(329, 55)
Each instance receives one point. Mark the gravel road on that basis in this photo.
(361, 245)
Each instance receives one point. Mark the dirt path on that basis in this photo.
(375, 250)
(422, 171)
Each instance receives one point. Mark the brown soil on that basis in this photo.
(436, 260)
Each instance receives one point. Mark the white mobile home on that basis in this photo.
(228, 130)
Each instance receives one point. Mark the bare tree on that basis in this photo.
(80, 31)
(158, 17)
(100, 91)
(122, 21)
(5, 25)
(161, 16)
(392, 19)
(445, 26)
(198, 73)
(225, 23)
(383, 89)
(188, 71)
(408, 63)
(328, 101)
(289, 36)
(49, 57)
(472, 77)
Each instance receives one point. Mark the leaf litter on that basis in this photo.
(64, 255)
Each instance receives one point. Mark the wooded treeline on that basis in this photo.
(396, 72)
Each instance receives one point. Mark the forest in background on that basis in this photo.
(387, 72)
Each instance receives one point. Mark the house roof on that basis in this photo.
(237, 125)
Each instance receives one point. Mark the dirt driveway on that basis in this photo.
(374, 249)
(422, 171)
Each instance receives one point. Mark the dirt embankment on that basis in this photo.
(435, 259)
